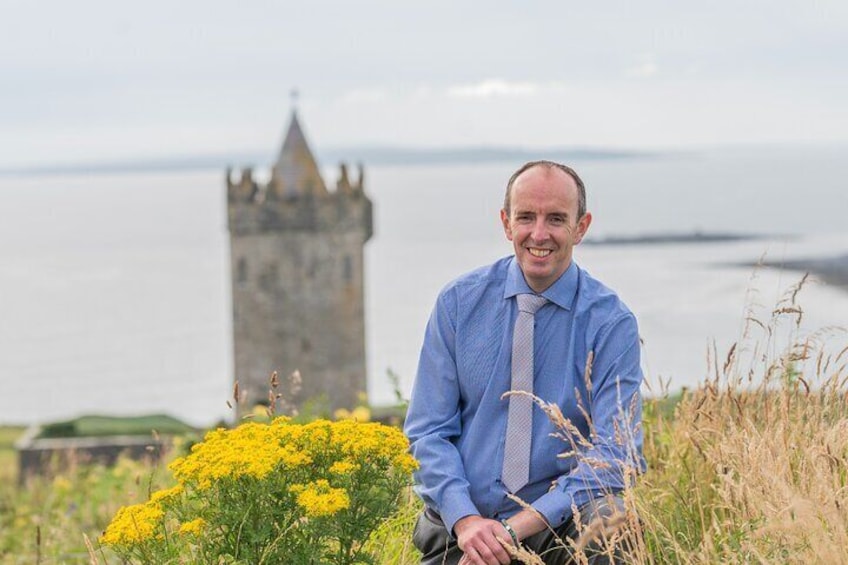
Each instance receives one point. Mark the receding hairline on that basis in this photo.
(549, 165)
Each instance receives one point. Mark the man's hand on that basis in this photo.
(477, 538)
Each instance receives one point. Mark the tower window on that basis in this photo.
(268, 278)
(347, 268)
(241, 270)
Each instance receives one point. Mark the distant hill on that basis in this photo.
(672, 237)
(459, 155)
(369, 155)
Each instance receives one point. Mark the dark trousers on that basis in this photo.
(438, 548)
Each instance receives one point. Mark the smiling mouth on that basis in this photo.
(539, 252)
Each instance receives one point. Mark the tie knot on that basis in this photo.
(530, 303)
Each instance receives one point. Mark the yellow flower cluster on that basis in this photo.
(360, 414)
(167, 494)
(342, 468)
(62, 485)
(193, 528)
(252, 449)
(134, 524)
(320, 499)
(367, 441)
(256, 449)
(303, 458)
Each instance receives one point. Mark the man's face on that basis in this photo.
(542, 224)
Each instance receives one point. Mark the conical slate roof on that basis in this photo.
(296, 168)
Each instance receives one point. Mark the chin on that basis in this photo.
(538, 275)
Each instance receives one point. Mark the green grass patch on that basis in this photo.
(662, 406)
(88, 426)
(393, 415)
(8, 456)
(9, 435)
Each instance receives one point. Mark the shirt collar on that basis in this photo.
(560, 293)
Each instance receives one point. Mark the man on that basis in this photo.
(583, 357)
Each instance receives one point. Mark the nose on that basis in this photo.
(539, 232)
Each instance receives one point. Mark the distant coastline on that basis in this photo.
(673, 237)
(375, 155)
(370, 155)
(832, 270)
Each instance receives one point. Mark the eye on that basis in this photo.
(557, 220)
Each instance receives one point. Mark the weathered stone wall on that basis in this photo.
(48, 456)
(298, 291)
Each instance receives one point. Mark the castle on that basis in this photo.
(297, 277)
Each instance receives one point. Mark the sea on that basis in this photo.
(115, 287)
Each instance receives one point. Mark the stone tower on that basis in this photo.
(297, 277)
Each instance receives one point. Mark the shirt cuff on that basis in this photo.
(458, 508)
(555, 506)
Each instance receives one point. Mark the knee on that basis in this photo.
(604, 508)
(601, 524)
(431, 538)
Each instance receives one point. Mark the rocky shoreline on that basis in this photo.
(832, 270)
(662, 238)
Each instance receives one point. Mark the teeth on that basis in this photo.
(539, 252)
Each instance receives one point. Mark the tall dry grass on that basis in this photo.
(753, 466)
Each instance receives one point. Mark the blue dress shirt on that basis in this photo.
(456, 421)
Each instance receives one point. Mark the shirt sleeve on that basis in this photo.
(615, 409)
(433, 420)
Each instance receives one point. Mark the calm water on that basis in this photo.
(114, 290)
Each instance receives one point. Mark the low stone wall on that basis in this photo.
(53, 455)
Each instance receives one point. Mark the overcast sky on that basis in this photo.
(90, 81)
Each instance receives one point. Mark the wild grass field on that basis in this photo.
(750, 467)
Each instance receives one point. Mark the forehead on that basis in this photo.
(545, 187)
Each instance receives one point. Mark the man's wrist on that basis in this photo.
(458, 526)
(511, 532)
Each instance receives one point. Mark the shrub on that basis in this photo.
(271, 493)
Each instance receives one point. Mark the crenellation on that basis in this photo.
(343, 184)
(246, 189)
(335, 212)
(360, 180)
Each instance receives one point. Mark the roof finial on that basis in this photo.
(293, 95)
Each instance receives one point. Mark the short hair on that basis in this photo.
(581, 188)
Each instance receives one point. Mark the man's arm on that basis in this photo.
(615, 409)
(433, 419)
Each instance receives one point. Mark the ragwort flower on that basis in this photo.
(320, 499)
(192, 528)
(133, 524)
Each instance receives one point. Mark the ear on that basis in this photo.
(582, 227)
(505, 222)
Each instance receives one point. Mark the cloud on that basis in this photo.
(365, 95)
(489, 88)
(647, 69)
(494, 87)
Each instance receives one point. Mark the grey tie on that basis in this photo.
(516, 466)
